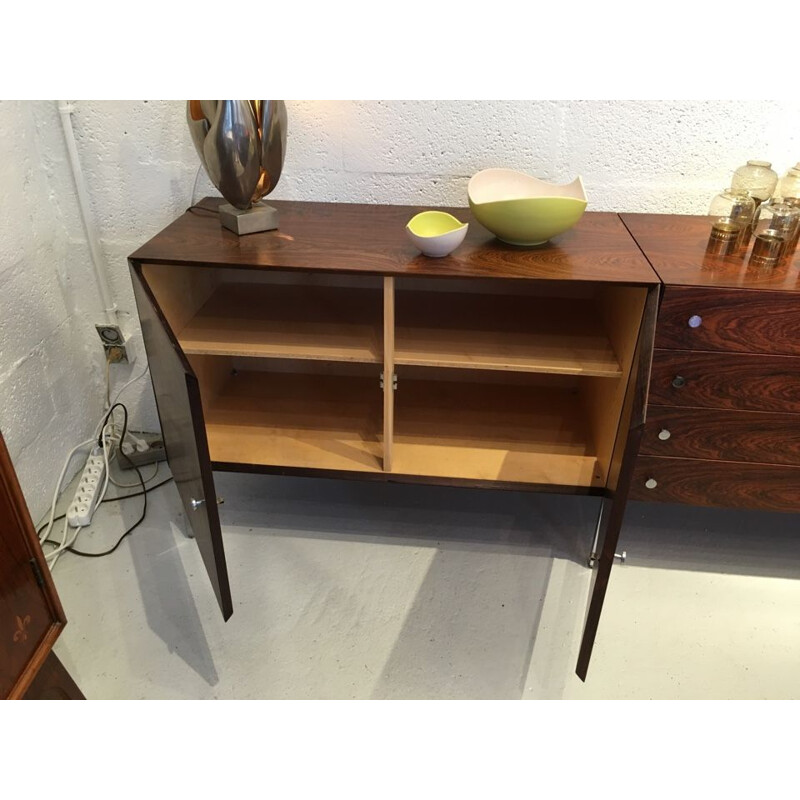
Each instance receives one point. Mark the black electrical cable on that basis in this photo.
(109, 500)
(143, 493)
(195, 209)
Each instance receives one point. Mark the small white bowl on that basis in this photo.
(436, 233)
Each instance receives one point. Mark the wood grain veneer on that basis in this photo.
(675, 247)
(180, 412)
(359, 238)
(730, 320)
(726, 380)
(714, 434)
(767, 487)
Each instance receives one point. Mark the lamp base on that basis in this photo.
(260, 217)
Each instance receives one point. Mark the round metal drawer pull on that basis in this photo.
(651, 483)
(678, 381)
(695, 321)
(664, 434)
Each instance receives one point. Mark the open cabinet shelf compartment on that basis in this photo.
(274, 418)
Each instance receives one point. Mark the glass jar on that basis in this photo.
(731, 215)
(756, 178)
(776, 228)
(789, 186)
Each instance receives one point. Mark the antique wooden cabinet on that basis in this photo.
(31, 617)
(723, 417)
(330, 347)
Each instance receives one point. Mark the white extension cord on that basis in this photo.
(89, 492)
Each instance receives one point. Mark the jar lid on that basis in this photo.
(754, 163)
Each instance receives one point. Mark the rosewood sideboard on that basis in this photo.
(331, 348)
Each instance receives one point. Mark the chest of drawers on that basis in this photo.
(723, 413)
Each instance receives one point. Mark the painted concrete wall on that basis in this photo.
(140, 166)
(46, 364)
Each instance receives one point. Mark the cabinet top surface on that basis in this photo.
(676, 248)
(371, 238)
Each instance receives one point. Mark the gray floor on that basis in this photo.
(358, 590)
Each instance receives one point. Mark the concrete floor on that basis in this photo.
(345, 589)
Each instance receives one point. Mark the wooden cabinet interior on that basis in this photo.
(509, 381)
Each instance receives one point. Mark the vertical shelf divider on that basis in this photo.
(388, 372)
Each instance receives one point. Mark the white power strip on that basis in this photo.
(80, 511)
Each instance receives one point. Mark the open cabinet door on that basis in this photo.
(183, 428)
(626, 449)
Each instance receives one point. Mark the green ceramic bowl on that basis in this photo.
(522, 210)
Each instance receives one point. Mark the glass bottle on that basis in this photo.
(731, 215)
(757, 178)
(789, 186)
(775, 229)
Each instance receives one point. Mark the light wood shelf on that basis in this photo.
(502, 332)
(296, 420)
(323, 323)
(528, 434)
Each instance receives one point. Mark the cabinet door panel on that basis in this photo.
(183, 428)
(31, 617)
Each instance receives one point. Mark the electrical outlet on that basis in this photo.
(117, 344)
(142, 448)
(84, 503)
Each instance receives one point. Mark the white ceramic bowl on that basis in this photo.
(436, 233)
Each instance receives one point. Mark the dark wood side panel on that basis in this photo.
(726, 380)
(31, 617)
(722, 435)
(765, 487)
(183, 428)
(53, 682)
(628, 440)
(726, 319)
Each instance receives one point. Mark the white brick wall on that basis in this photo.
(139, 164)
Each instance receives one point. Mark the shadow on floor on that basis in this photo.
(561, 525)
(166, 594)
(730, 541)
(472, 626)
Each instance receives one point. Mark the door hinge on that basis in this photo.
(394, 381)
(37, 572)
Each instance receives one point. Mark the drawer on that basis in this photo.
(742, 320)
(765, 487)
(722, 435)
(725, 380)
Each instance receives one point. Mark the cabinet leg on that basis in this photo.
(592, 560)
(593, 553)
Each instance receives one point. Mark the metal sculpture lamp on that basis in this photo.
(241, 144)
